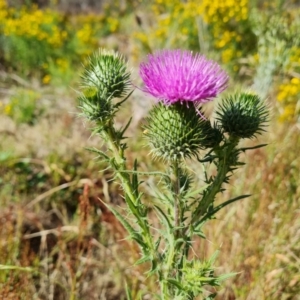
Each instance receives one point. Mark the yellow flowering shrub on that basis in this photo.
(3, 10)
(226, 10)
(230, 28)
(182, 24)
(174, 25)
(29, 36)
(289, 97)
(288, 89)
(34, 40)
(40, 25)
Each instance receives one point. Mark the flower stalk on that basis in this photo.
(119, 165)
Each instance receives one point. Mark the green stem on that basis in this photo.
(224, 154)
(164, 287)
(114, 144)
(177, 215)
(176, 188)
(120, 167)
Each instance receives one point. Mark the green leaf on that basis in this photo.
(157, 243)
(163, 198)
(128, 292)
(213, 258)
(199, 233)
(143, 260)
(135, 180)
(226, 276)
(134, 210)
(122, 131)
(179, 241)
(209, 159)
(133, 233)
(196, 192)
(213, 211)
(101, 153)
(153, 267)
(164, 218)
(175, 283)
(206, 279)
(251, 148)
(122, 101)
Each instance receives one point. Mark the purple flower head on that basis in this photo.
(179, 76)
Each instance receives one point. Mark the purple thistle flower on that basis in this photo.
(179, 76)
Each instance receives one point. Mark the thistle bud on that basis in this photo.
(104, 78)
(243, 115)
(107, 72)
(94, 107)
(177, 131)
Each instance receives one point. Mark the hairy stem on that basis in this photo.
(172, 253)
(114, 144)
(176, 191)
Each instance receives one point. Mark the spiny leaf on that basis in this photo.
(133, 208)
(133, 233)
(101, 153)
(175, 283)
(122, 101)
(251, 148)
(209, 158)
(122, 131)
(157, 243)
(222, 205)
(199, 233)
(154, 267)
(164, 218)
(213, 258)
(143, 260)
(226, 276)
(135, 180)
(195, 192)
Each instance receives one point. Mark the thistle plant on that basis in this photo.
(177, 132)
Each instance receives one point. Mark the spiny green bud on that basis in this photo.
(105, 77)
(243, 115)
(94, 107)
(106, 72)
(177, 131)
